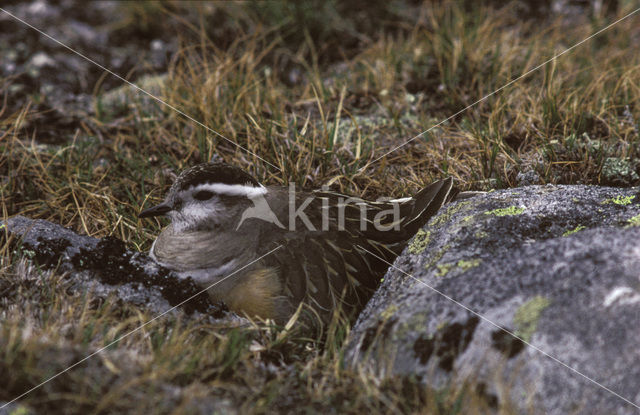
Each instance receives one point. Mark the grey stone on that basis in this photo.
(528, 178)
(559, 266)
(126, 97)
(105, 267)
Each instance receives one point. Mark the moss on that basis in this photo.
(451, 210)
(443, 269)
(481, 234)
(527, 315)
(508, 211)
(466, 265)
(634, 221)
(572, 231)
(620, 200)
(467, 219)
(420, 242)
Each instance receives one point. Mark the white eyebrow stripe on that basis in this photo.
(401, 200)
(233, 189)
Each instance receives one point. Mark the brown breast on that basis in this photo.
(258, 293)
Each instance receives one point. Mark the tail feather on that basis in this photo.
(427, 203)
(414, 213)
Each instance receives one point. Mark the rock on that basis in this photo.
(125, 97)
(40, 60)
(528, 178)
(558, 266)
(105, 267)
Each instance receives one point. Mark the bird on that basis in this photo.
(319, 242)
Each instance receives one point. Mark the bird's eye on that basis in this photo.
(203, 195)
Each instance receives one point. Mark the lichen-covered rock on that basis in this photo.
(558, 266)
(105, 267)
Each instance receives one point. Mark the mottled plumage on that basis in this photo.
(219, 224)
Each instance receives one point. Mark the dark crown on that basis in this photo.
(214, 172)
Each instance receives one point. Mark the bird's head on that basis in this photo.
(208, 196)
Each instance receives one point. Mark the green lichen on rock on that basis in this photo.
(466, 265)
(620, 200)
(451, 210)
(443, 269)
(623, 200)
(572, 231)
(481, 234)
(438, 255)
(508, 211)
(527, 316)
(463, 264)
(416, 322)
(420, 242)
(634, 221)
(443, 324)
(389, 311)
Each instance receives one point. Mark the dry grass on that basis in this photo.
(320, 113)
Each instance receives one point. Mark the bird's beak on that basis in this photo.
(161, 209)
